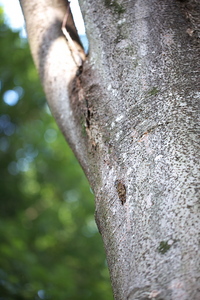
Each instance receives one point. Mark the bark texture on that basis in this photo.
(131, 118)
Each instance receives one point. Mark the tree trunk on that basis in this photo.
(131, 119)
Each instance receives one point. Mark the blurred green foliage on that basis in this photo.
(49, 244)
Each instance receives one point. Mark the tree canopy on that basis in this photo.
(50, 245)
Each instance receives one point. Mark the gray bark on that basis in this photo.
(131, 118)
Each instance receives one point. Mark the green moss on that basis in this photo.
(106, 139)
(118, 8)
(163, 247)
(83, 127)
(153, 91)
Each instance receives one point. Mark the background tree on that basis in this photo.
(131, 119)
(49, 244)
